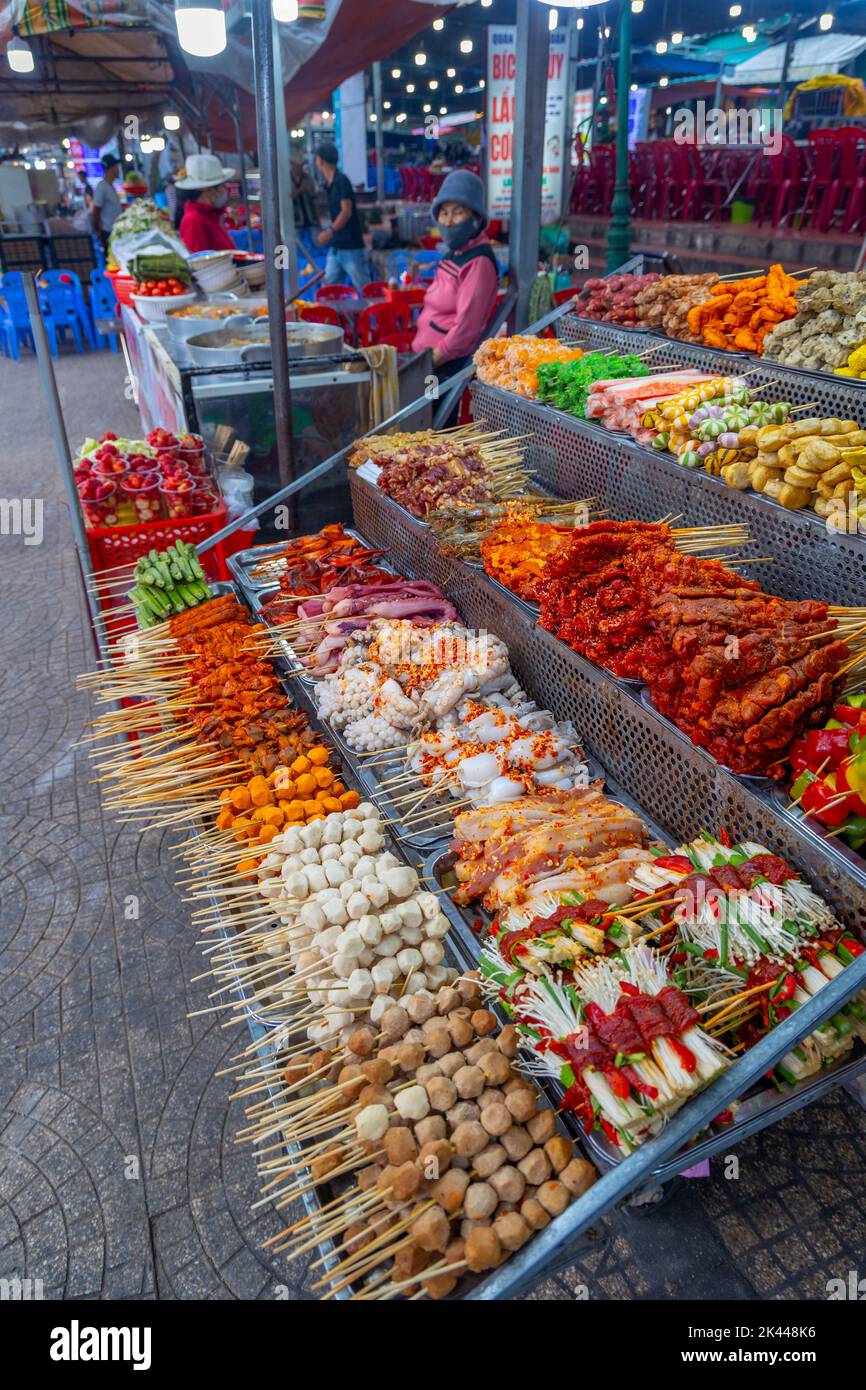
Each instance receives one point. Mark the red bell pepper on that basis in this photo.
(854, 718)
(826, 744)
(797, 756)
(675, 861)
(821, 800)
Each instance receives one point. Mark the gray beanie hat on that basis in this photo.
(462, 186)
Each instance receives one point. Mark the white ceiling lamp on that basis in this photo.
(825, 23)
(201, 27)
(465, 45)
(395, 72)
(433, 84)
(65, 143)
(750, 33)
(401, 117)
(458, 88)
(676, 36)
(482, 84)
(485, 4)
(40, 164)
(410, 87)
(19, 56)
(636, 7)
(438, 25)
(633, 87)
(553, 19)
(284, 11)
(426, 107)
(450, 72)
(386, 106)
(128, 158)
(373, 116)
(443, 110)
(663, 81)
(662, 46)
(735, 11)
(420, 58)
(170, 121)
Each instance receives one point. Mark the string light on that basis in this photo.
(450, 72)
(482, 84)
(735, 11)
(401, 117)
(458, 88)
(386, 106)
(465, 45)
(395, 72)
(676, 36)
(433, 84)
(410, 87)
(439, 25)
(553, 20)
(443, 110)
(171, 122)
(420, 59)
(662, 46)
(825, 23)
(637, 6)
(663, 81)
(426, 107)
(580, 16)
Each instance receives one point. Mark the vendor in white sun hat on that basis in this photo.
(201, 227)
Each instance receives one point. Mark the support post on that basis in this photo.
(379, 138)
(61, 443)
(530, 104)
(284, 164)
(619, 234)
(266, 126)
(242, 173)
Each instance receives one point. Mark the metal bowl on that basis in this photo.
(215, 349)
(182, 329)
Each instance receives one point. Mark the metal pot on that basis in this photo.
(215, 349)
(182, 329)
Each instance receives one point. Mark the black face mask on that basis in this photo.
(459, 233)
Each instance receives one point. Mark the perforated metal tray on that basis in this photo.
(243, 562)
(660, 769)
(576, 458)
(832, 394)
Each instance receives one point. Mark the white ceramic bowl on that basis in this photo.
(214, 270)
(154, 307)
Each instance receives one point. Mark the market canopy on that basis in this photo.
(812, 57)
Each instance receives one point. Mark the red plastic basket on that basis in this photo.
(111, 546)
(123, 286)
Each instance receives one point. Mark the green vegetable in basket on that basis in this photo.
(167, 582)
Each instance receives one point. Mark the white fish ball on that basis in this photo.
(341, 996)
(412, 1103)
(312, 834)
(350, 943)
(335, 873)
(316, 877)
(433, 952)
(292, 864)
(291, 842)
(379, 1005)
(327, 940)
(329, 854)
(388, 946)
(410, 913)
(376, 891)
(400, 881)
(309, 856)
(370, 929)
(429, 905)
(409, 959)
(372, 1122)
(312, 916)
(384, 973)
(342, 966)
(358, 905)
(371, 840)
(411, 936)
(298, 885)
(438, 927)
(351, 828)
(360, 984)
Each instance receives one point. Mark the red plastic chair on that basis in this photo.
(785, 186)
(318, 313)
(560, 296)
(850, 184)
(410, 298)
(379, 323)
(601, 178)
(326, 292)
(377, 289)
(661, 181)
(817, 206)
(688, 183)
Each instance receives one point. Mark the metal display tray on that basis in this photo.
(831, 393)
(577, 458)
(651, 760)
(243, 562)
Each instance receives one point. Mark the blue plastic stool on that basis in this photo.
(16, 321)
(103, 305)
(68, 305)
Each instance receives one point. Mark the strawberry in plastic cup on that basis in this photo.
(204, 501)
(160, 439)
(143, 491)
(178, 494)
(98, 501)
(190, 450)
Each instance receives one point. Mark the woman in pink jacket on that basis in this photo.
(459, 304)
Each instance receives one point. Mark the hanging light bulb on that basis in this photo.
(750, 33)
(373, 116)
(662, 46)
(386, 106)
(465, 45)
(676, 36)
(426, 107)
(735, 11)
(433, 85)
(420, 59)
(19, 56)
(458, 88)
(438, 25)
(170, 121)
(284, 11)
(580, 16)
(482, 84)
(663, 81)
(443, 110)
(553, 19)
(395, 72)
(201, 27)
(636, 7)
(410, 87)
(633, 87)
(825, 23)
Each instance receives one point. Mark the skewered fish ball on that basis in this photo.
(534, 1214)
(484, 1022)
(480, 1201)
(421, 1007)
(431, 1230)
(469, 1082)
(409, 1056)
(554, 1197)
(399, 1144)
(508, 1183)
(469, 1138)
(522, 1103)
(378, 1070)
(508, 1041)
(441, 1093)
(578, 1176)
(447, 999)
(460, 1030)
(395, 1022)
(496, 1119)
(496, 1068)
(560, 1152)
(431, 1128)
(490, 1160)
(412, 1103)
(542, 1126)
(463, 1111)
(483, 1249)
(435, 1158)
(511, 1230)
(450, 1064)
(517, 1142)
(449, 1190)
(535, 1167)
(426, 1072)
(372, 1122)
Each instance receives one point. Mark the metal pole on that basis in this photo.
(266, 122)
(619, 234)
(284, 164)
(459, 379)
(572, 50)
(530, 103)
(242, 173)
(61, 442)
(379, 136)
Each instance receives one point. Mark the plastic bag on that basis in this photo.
(236, 486)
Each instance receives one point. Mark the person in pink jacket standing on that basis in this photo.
(459, 304)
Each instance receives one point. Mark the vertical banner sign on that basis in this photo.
(350, 129)
(501, 71)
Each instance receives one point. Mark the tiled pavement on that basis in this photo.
(118, 1171)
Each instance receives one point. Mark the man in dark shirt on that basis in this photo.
(347, 258)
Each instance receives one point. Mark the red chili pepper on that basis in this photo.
(674, 861)
(616, 1081)
(610, 1131)
(628, 988)
(787, 986)
(724, 838)
(686, 1056)
(724, 1117)
(711, 954)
